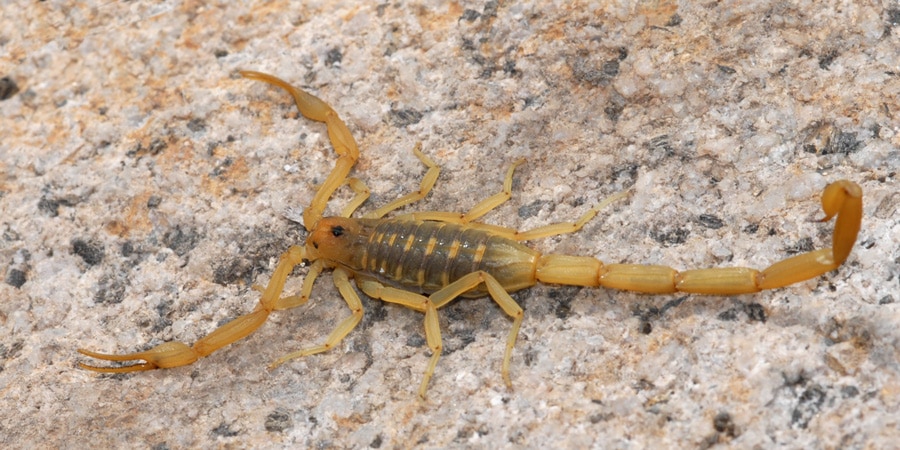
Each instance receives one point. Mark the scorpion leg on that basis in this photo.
(482, 208)
(567, 227)
(419, 303)
(535, 233)
(294, 301)
(175, 354)
(342, 281)
(499, 295)
(429, 305)
(487, 205)
(424, 187)
(344, 145)
(362, 194)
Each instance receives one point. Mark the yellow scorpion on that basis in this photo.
(425, 260)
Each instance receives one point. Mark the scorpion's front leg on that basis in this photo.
(175, 354)
(342, 282)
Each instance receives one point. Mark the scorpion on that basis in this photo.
(425, 260)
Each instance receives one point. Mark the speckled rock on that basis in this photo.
(146, 188)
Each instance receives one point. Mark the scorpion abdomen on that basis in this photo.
(428, 255)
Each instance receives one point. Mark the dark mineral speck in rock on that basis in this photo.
(8, 88)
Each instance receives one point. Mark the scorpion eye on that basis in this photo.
(337, 230)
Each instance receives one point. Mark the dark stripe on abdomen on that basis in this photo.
(393, 258)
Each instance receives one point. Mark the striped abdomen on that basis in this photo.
(429, 255)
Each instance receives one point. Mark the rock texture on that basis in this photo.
(145, 188)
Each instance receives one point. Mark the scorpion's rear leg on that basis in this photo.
(487, 205)
(429, 305)
(567, 227)
(175, 354)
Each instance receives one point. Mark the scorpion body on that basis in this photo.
(425, 260)
(426, 256)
